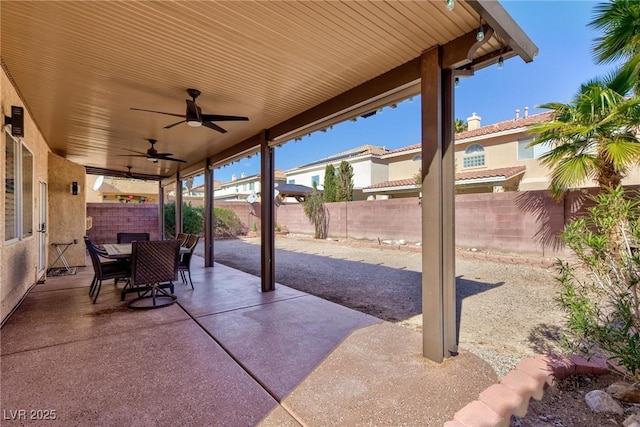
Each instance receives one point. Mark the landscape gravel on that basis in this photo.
(505, 311)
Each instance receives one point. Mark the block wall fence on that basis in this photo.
(516, 222)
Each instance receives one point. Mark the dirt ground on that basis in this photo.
(505, 312)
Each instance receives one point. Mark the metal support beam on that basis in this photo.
(178, 205)
(267, 210)
(160, 210)
(208, 215)
(438, 306)
(448, 213)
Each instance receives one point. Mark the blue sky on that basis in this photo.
(558, 28)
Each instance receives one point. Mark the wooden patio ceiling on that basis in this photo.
(290, 67)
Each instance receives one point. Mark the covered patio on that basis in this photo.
(226, 354)
(81, 71)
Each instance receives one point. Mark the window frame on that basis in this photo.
(472, 159)
(23, 205)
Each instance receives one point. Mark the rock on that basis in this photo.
(624, 391)
(632, 421)
(402, 242)
(474, 250)
(388, 242)
(600, 401)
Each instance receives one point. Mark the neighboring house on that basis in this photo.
(488, 159)
(243, 187)
(368, 168)
(99, 189)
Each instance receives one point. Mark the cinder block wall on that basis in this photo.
(109, 219)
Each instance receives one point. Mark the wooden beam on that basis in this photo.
(383, 85)
(208, 216)
(433, 346)
(503, 24)
(460, 52)
(267, 210)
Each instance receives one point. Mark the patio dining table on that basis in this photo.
(123, 250)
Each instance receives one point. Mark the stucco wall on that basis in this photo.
(19, 258)
(67, 212)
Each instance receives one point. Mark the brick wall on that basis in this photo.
(109, 219)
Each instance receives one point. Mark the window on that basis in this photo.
(252, 186)
(291, 181)
(18, 198)
(473, 156)
(527, 153)
(315, 179)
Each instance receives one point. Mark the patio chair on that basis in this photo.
(104, 270)
(131, 237)
(184, 266)
(154, 267)
(183, 237)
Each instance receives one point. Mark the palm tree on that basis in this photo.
(459, 125)
(620, 22)
(594, 137)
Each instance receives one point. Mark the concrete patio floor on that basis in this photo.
(225, 354)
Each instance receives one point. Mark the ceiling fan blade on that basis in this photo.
(163, 155)
(172, 159)
(159, 112)
(174, 124)
(214, 127)
(219, 118)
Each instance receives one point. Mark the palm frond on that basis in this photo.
(573, 171)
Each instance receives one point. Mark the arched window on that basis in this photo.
(473, 156)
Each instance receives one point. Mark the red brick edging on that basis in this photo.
(511, 396)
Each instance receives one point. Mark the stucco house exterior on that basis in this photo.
(368, 168)
(488, 159)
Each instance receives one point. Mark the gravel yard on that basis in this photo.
(506, 311)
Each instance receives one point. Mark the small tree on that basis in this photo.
(345, 182)
(460, 126)
(316, 212)
(330, 184)
(603, 307)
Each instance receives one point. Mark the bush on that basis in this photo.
(192, 219)
(316, 212)
(602, 307)
(227, 224)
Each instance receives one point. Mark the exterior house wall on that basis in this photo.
(113, 187)
(67, 218)
(404, 167)
(367, 170)
(19, 258)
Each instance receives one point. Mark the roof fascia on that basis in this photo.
(497, 17)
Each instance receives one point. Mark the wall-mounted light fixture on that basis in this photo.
(75, 188)
(16, 121)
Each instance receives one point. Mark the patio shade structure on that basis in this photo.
(290, 67)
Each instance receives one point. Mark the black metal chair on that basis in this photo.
(184, 266)
(131, 237)
(154, 267)
(104, 270)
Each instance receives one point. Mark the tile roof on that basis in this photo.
(490, 129)
(505, 126)
(460, 176)
(491, 173)
(362, 150)
(396, 183)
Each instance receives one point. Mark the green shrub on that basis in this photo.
(227, 223)
(192, 219)
(317, 213)
(600, 295)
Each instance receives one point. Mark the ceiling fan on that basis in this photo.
(153, 155)
(130, 175)
(194, 116)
